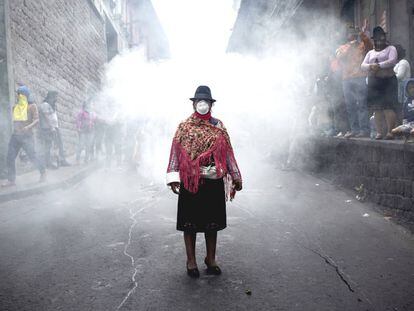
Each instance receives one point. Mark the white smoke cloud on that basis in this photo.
(256, 98)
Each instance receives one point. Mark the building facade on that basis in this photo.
(144, 29)
(260, 23)
(63, 46)
(395, 16)
(257, 16)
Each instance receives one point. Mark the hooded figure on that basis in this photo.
(48, 115)
(51, 99)
(25, 117)
(49, 131)
(20, 110)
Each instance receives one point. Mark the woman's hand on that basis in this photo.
(374, 67)
(238, 185)
(175, 187)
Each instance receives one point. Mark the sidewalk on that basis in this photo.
(28, 184)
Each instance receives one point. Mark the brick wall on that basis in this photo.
(59, 45)
(385, 168)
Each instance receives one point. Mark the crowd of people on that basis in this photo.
(102, 132)
(364, 93)
(99, 134)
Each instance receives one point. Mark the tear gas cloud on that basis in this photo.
(258, 99)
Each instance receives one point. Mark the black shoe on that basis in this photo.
(193, 273)
(214, 270)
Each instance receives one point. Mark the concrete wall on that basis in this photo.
(59, 45)
(386, 169)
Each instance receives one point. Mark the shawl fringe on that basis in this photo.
(190, 169)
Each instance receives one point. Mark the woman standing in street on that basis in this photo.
(382, 82)
(201, 166)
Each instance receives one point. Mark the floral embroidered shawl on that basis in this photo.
(200, 143)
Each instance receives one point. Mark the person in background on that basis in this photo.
(340, 118)
(113, 138)
(350, 56)
(25, 117)
(59, 142)
(135, 158)
(49, 131)
(98, 139)
(382, 83)
(47, 125)
(402, 69)
(85, 121)
(403, 73)
(321, 119)
(131, 144)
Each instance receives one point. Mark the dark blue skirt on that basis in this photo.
(204, 211)
(382, 93)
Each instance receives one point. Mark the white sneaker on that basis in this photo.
(349, 134)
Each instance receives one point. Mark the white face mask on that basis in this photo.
(202, 107)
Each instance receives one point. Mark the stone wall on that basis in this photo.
(58, 45)
(385, 168)
(4, 90)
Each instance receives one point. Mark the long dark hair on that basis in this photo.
(400, 51)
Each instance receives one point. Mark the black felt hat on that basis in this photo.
(378, 32)
(203, 92)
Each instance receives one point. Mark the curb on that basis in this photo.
(64, 184)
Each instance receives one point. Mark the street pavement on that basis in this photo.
(293, 242)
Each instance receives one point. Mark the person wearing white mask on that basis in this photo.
(203, 171)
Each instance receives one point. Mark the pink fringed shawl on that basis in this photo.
(198, 143)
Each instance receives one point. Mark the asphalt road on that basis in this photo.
(109, 243)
